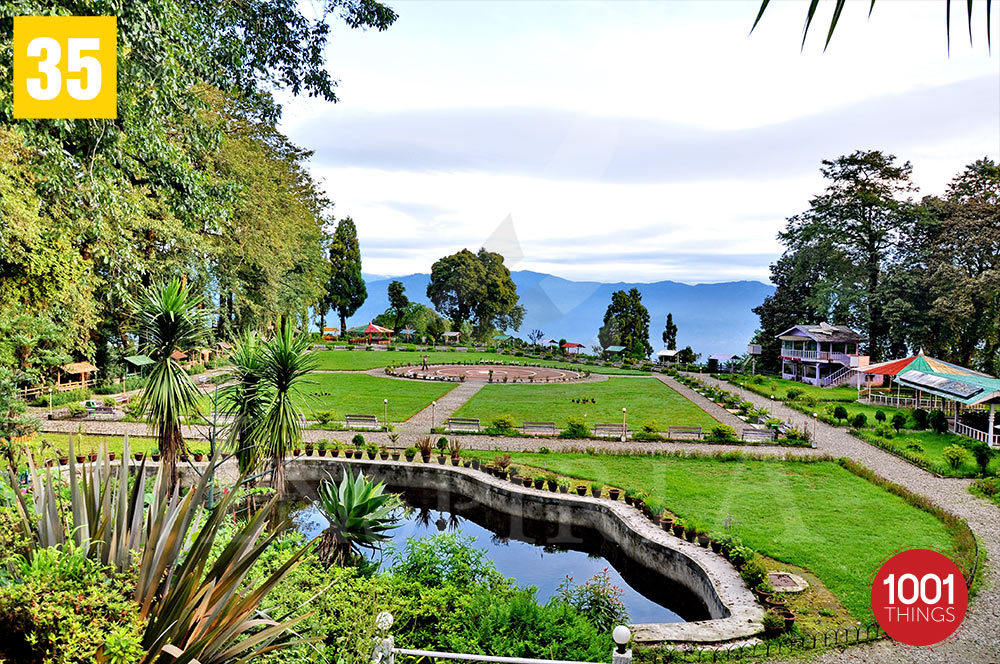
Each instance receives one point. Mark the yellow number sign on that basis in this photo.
(65, 67)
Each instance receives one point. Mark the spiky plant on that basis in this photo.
(195, 605)
(245, 400)
(360, 513)
(284, 366)
(169, 318)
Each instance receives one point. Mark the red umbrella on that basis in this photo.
(372, 328)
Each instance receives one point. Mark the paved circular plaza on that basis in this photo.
(483, 372)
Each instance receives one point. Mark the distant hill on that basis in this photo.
(712, 318)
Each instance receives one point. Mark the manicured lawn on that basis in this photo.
(934, 444)
(779, 388)
(869, 411)
(645, 398)
(359, 360)
(86, 443)
(363, 394)
(815, 515)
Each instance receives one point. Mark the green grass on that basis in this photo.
(934, 444)
(815, 515)
(363, 394)
(645, 398)
(86, 443)
(340, 360)
(779, 388)
(868, 409)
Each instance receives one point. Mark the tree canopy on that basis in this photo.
(477, 288)
(346, 290)
(626, 323)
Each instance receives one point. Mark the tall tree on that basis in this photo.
(398, 303)
(670, 333)
(168, 319)
(346, 289)
(628, 318)
(860, 218)
(477, 287)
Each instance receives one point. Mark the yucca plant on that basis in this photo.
(245, 400)
(284, 367)
(169, 318)
(360, 515)
(195, 608)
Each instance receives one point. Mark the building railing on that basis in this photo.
(965, 430)
(817, 355)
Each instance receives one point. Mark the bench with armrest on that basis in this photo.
(544, 428)
(609, 430)
(361, 421)
(462, 424)
(757, 435)
(675, 432)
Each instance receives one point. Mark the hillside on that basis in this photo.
(713, 318)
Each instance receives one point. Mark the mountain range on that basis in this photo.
(711, 318)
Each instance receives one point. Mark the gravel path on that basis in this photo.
(432, 416)
(978, 640)
(710, 407)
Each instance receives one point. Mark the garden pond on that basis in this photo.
(533, 553)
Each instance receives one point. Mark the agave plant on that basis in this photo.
(195, 606)
(170, 319)
(360, 515)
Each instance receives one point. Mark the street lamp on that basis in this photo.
(815, 418)
(433, 405)
(50, 403)
(624, 430)
(385, 414)
(621, 635)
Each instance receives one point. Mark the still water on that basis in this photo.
(535, 553)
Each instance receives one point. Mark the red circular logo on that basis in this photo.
(919, 597)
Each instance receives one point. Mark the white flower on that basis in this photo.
(383, 621)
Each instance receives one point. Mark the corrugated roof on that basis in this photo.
(615, 349)
(139, 360)
(969, 390)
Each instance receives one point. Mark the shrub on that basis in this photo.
(504, 423)
(880, 415)
(772, 622)
(442, 444)
(793, 394)
(989, 486)
(939, 421)
(840, 413)
(754, 573)
(324, 416)
(723, 432)
(885, 431)
(62, 398)
(575, 428)
(922, 418)
(898, 421)
(598, 600)
(109, 401)
(358, 441)
(913, 445)
(195, 369)
(955, 456)
(859, 421)
(76, 409)
(982, 453)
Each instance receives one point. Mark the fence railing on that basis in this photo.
(965, 430)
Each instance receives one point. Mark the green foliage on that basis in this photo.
(955, 455)
(922, 418)
(983, 454)
(840, 412)
(477, 288)
(898, 421)
(447, 559)
(880, 415)
(575, 428)
(598, 600)
(723, 432)
(360, 515)
(793, 394)
(859, 421)
(753, 572)
(504, 424)
(346, 290)
(938, 421)
(626, 323)
(884, 430)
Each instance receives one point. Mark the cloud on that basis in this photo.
(555, 144)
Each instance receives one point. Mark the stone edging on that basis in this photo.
(709, 575)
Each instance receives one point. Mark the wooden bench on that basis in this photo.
(608, 430)
(361, 421)
(462, 424)
(673, 432)
(757, 434)
(546, 428)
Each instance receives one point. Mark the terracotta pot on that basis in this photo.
(441, 460)
(703, 540)
(155, 457)
(563, 488)
(383, 455)
(581, 490)
(597, 492)
(93, 456)
(475, 464)
(526, 481)
(49, 463)
(199, 457)
(455, 461)
(395, 456)
(409, 457)
(539, 484)
(309, 451)
(614, 493)
(80, 458)
(372, 455)
(666, 523)
(690, 535)
(137, 456)
(297, 452)
(552, 485)
(184, 458)
(716, 546)
(111, 456)
(322, 452)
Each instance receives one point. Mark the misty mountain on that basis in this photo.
(712, 318)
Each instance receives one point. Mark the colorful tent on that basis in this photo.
(918, 362)
(569, 345)
(370, 329)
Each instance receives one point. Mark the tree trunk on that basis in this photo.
(343, 323)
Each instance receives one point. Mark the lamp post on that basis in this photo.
(772, 405)
(50, 403)
(815, 418)
(624, 429)
(621, 635)
(385, 414)
(433, 405)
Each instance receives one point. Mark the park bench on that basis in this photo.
(462, 424)
(546, 428)
(674, 432)
(608, 430)
(361, 421)
(757, 435)
(784, 428)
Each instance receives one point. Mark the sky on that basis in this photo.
(620, 141)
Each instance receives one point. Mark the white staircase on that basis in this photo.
(837, 377)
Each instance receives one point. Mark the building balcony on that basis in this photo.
(818, 356)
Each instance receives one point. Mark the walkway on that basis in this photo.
(445, 408)
(710, 407)
(978, 640)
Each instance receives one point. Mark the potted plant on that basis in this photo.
(666, 521)
(184, 457)
(297, 451)
(155, 454)
(526, 481)
(596, 488)
(552, 481)
(198, 456)
(613, 493)
(703, 539)
(372, 450)
(395, 454)
(136, 455)
(111, 456)
(630, 496)
(383, 453)
(442, 445)
(581, 490)
(475, 464)
(716, 545)
(425, 447)
(335, 448)
(563, 486)
(455, 448)
(467, 463)
(539, 481)
(321, 446)
(410, 452)
(691, 532)
(678, 528)
(773, 623)
(789, 619)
